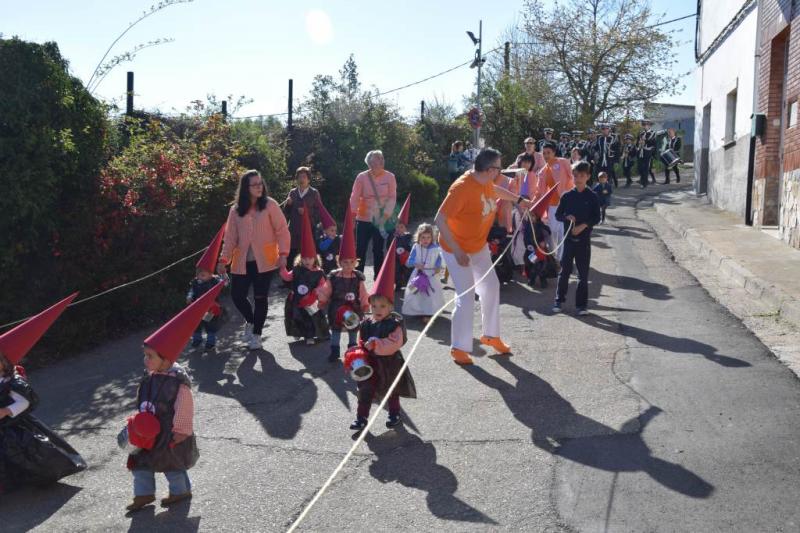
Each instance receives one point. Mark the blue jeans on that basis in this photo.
(144, 482)
(336, 336)
(211, 334)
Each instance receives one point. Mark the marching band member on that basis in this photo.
(673, 143)
(607, 149)
(563, 148)
(645, 145)
(628, 158)
(548, 137)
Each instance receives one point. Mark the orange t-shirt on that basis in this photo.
(554, 199)
(470, 209)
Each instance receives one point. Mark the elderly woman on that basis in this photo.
(372, 200)
(256, 245)
(302, 197)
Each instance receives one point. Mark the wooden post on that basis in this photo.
(422, 110)
(224, 109)
(289, 119)
(507, 57)
(129, 94)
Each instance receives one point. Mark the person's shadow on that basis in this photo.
(316, 363)
(176, 518)
(28, 507)
(558, 429)
(665, 342)
(406, 459)
(648, 289)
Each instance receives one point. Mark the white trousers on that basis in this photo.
(556, 230)
(488, 291)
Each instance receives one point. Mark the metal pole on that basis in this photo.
(129, 94)
(289, 120)
(480, 65)
(422, 110)
(224, 109)
(507, 57)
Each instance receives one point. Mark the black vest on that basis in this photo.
(305, 281)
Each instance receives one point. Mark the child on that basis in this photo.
(423, 294)
(603, 191)
(498, 242)
(538, 263)
(164, 405)
(581, 207)
(575, 155)
(30, 452)
(303, 316)
(403, 238)
(382, 335)
(328, 244)
(345, 290)
(205, 280)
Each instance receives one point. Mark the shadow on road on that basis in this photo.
(558, 429)
(24, 509)
(648, 289)
(401, 457)
(176, 518)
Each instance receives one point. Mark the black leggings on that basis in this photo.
(240, 287)
(677, 174)
(366, 231)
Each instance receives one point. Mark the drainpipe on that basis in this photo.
(751, 160)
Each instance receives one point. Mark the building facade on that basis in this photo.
(677, 116)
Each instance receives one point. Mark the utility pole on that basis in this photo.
(421, 110)
(224, 109)
(507, 57)
(478, 62)
(129, 94)
(289, 120)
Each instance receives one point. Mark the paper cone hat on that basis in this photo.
(325, 217)
(16, 343)
(347, 248)
(405, 211)
(540, 207)
(170, 338)
(384, 283)
(308, 247)
(209, 259)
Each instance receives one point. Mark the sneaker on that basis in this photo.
(498, 345)
(556, 307)
(582, 311)
(394, 420)
(247, 334)
(460, 357)
(334, 355)
(359, 424)
(254, 343)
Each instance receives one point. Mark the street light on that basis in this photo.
(478, 63)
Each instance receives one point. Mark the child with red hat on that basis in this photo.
(162, 428)
(303, 314)
(381, 336)
(345, 291)
(404, 245)
(329, 242)
(204, 281)
(30, 452)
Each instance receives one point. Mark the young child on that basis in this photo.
(162, 429)
(603, 191)
(345, 290)
(575, 155)
(423, 294)
(382, 335)
(403, 238)
(30, 452)
(303, 314)
(498, 241)
(329, 243)
(205, 280)
(538, 263)
(581, 207)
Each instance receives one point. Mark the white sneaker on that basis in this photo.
(247, 334)
(254, 343)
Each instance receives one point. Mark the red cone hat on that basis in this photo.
(384, 283)
(308, 247)
(209, 259)
(405, 210)
(347, 248)
(170, 338)
(16, 343)
(325, 217)
(540, 207)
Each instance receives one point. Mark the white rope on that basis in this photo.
(386, 396)
(118, 287)
(527, 216)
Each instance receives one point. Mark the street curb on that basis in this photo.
(788, 308)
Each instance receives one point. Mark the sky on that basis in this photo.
(252, 47)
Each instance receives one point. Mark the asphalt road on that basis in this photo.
(659, 412)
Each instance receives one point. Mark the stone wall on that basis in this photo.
(789, 228)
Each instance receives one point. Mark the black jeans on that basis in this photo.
(644, 169)
(580, 251)
(255, 314)
(366, 231)
(677, 174)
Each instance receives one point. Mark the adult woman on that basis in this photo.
(256, 245)
(556, 171)
(373, 199)
(464, 220)
(299, 199)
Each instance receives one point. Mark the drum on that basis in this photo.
(670, 158)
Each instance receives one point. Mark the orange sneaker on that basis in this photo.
(497, 344)
(460, 357)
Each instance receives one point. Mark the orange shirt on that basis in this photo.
(470, 211)
(550, 181)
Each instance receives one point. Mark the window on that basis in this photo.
(792, 114)
(730, 118)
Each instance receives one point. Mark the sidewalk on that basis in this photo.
(767, 268)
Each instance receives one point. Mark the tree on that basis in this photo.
(604, 56)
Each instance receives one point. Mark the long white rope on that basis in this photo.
(394, 384)
(527, 216)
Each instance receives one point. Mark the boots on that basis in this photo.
(175, 498)
(140, 501)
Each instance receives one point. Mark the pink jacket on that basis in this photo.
(562, 175)
(266, 231)
(388, 345)
(362, 199)
(538, 161)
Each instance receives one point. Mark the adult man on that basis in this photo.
(646, 145)
(464, 220)
(673, 143)
(556, 171)
(548, 137)
(607, 150)
(562, 150)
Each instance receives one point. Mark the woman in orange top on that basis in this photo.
(556, 170)
(256, 245)
(464, 220)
